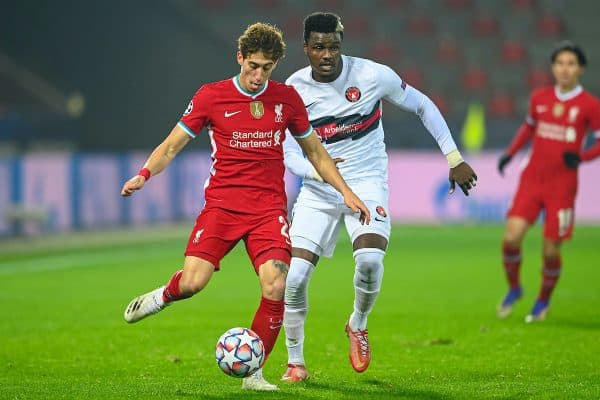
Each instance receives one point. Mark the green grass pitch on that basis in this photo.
(433, 331)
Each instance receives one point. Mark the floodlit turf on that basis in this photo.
(433, 332)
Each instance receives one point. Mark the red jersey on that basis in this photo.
(246, 133)
(558, 123)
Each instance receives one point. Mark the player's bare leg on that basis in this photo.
(183, 284)
(296, 307)
(515, 231)
(369, 251)
(550, 274)
(269, 316)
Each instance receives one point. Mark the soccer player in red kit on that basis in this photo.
(246, 117)
(558, 119)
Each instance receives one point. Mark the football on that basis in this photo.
(240, 352)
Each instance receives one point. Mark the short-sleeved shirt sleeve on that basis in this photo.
(195, 116)
(595, 119)
(298, 124)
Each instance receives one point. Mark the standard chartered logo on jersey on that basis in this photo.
(256, 139)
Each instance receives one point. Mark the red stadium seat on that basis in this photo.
(267, 4)
(523, 5)
(384, 51)
(484, 26)
(448, 51)
(458, 4)
(475, 79)
(502, 105)
(420, 25)
(292, 26)
(394, 5)
(214, 5)
(441, 101)
(539, 77)
(358, 24)
(550, 26)
(332, 5)
(412, 75)
(513, 51)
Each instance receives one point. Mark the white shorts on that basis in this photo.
(316, 220)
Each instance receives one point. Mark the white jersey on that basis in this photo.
(346, 114)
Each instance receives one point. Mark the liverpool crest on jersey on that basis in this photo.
(257, 109)
(558, 109)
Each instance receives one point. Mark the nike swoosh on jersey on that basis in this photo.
(379, 220)
(229, 114)
(541, 109)
(310, 104)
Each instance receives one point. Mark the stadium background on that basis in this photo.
(88, 89)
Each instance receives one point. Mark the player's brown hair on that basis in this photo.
(262, 37)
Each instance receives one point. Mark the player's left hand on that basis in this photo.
(135, 183)
(464, 175)
(357, 205)
(571, 159)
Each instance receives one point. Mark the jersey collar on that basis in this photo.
(238, 86)
(567, 95)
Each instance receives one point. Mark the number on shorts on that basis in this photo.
(284, 229)
(565, 220)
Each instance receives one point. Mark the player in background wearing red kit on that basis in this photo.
(247, 117)
(558, 119)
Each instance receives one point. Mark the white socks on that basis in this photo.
(368, 275)
(296, 307)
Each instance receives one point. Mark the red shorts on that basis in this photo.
(217, 231)
(557, 201)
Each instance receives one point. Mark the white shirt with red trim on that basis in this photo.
(346, 114)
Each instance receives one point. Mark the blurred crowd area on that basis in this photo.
(112, 76)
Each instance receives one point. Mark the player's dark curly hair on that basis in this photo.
(322, 22)
(262, 37)
(567, 45)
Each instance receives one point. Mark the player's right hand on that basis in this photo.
(357, 205)
(135, 183)
(502, 162)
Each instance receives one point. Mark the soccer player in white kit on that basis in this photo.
(343, 97)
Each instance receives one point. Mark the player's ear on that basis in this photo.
(305, 47)
(240, 58)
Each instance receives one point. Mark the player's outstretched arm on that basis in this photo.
(158, 160)
(326, 167)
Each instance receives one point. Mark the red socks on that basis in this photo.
(511, 257)
(267, 322)
(172, 292)
(550, 275)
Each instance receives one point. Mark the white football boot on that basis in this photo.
(145, 305)
(257, 382)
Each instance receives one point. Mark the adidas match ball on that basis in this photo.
(240, 352)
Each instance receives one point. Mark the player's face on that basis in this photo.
(324, 52)
(256, 70)
(566, 70)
